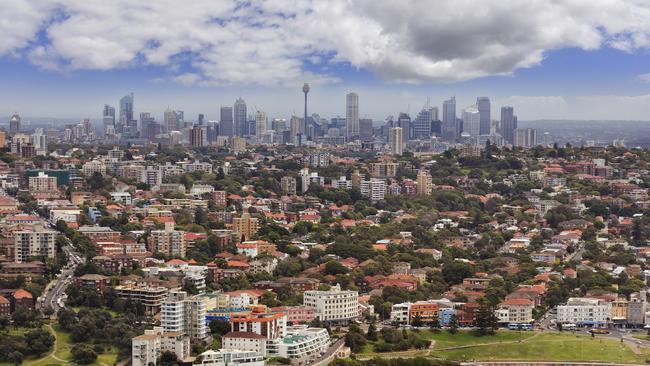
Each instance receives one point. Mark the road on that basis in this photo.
(53, 296)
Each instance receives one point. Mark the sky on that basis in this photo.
(549, 59)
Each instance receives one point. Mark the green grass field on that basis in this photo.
(519, 346)
(550, 347)
(445, 339)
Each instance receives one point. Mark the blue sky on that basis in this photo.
(591, 67)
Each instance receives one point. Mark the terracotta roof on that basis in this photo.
(22, 294)
(3, 300)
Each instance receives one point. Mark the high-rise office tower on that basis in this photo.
(352, 115)
(170, 121)
(306, 129)
(396, 141)
(421, 126)
(472, 121)
(294, 127)
(201, 119)
(449, 120)
(14, 124)
(278, 125)
(240, 125)
(126, 112)
(404, 121)
(483, 105)
(260, 124)
(108, 119)
(145, 119)
(196, 136)
(226, 123)
(508, 124)
(365, 128)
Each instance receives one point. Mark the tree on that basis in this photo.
(219, 327)
(15, 357)
(39, 341)
(417, 321)
(354, 339)
(486, 321)
(372, 332)
(334, 268)
(453, 324)
(168, 358)
(83, 354)
(454, 272)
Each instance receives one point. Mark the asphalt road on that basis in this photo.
(55, 290)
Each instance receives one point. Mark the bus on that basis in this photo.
(568, 326)
(515, 326)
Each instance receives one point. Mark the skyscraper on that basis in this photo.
(449, 120)
(14, 124)
(260, 124)
(126, 112)
(396, 141)
(508, 124)
(294, 128)
(170, 120)
(421, 126)
(483, 105)
(201, 119)
(365, 128)
(226, 124)
(472, 121)
(352, 115)
(196, 136)
(240, 127)
(404, 121)
(108, 119)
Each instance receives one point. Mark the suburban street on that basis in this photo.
(55, 290)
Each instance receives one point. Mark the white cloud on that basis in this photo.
(267, 42)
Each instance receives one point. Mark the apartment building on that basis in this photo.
(42, 183)
(169, 242)
(245, 226)
(334, 304)
(584, 311)
(148, 347)
(517, 311)
(180, 312)
(149, 296)
(38, 242)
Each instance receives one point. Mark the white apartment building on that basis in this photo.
(342, 183)
(584, 311)
(38, 242)
(186, 314)
(246, 341)
(375, 189)
(146, 348)
(334, 304)
(517, 311)
(307, 178)
(400, 313)
(302, 345)
(95, 166)
(230, 357)
(122, 197)
(201, 189)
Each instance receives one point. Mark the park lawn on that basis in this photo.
(550, 347)
(445, 339)
(64, 347)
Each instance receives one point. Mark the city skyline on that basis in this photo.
(593, 65)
